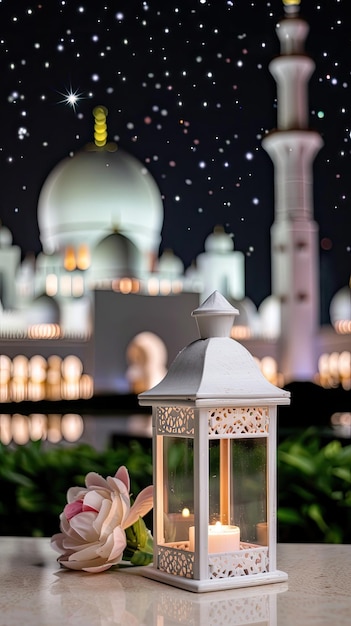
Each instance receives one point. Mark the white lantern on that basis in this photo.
(214, 460)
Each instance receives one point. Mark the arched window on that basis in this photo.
(147, 358)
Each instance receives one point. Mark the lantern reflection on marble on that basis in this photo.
(214, 459)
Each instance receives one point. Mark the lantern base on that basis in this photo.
(214, 584)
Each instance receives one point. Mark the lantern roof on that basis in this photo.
(215, 367)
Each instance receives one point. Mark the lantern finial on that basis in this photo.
(215, 316)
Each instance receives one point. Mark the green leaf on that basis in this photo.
(302, 463)
(314, 511)
(332, 449)
(289, 516)
(19, 479)
(343, 472)
(139, 549)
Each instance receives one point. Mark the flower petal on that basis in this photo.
(112, 549)
(93, 480)
(93, 500)
(142, 505)
(100, 566)
(101, 516)
(75, 493)
(119, 543)
(56, 542)
(123, 475)
(113, 519)
(88, 552)
(73, 508)
(83, 524)
(118, 486)
(93, 566)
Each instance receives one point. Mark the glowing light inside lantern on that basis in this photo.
(221, 538)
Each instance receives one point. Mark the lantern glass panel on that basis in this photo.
(238, 486)
(178, 496)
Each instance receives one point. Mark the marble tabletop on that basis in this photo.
(35, 591)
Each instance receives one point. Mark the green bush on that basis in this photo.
(314, 485)
(34, 481)
(314, 490)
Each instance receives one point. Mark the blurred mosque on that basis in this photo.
(100, 312)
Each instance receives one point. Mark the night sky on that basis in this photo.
(189, 93)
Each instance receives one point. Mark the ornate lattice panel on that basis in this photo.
(242, 563)
(174, 420)
(251, 559)
(178, 562)
(238, 422)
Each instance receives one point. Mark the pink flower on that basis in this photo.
(94, 520)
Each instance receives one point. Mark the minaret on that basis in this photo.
(294, 234)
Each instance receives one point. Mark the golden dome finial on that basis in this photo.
(100, 127)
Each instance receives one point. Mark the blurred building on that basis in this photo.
(100, 312)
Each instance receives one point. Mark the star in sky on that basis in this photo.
(71, 98)
(189, 93)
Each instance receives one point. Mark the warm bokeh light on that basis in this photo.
(83, 257)
(125, 285)
(5, 429)
(53, 428)
(38, 426)
(20, 429)
(86, 386)
(77, 286)
(37, 369)
(343, 327)
(240, 332)
(69, 261)
(341, 423)
(71, 368)
(72, 427)
(5, 369)
(20, 368)
(51, 285)
(44, 331)
(335, 369)
(153, 286)
(38, 379)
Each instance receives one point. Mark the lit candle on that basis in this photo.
(178, 525)
(221, 538)
(262, 533)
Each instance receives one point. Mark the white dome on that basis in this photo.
(247, 313)
(269, 314)
(340, 306)
(97, 190)
(5, 237)
(219, 241)
(170, 265)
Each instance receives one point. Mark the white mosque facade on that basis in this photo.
(98, 311)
